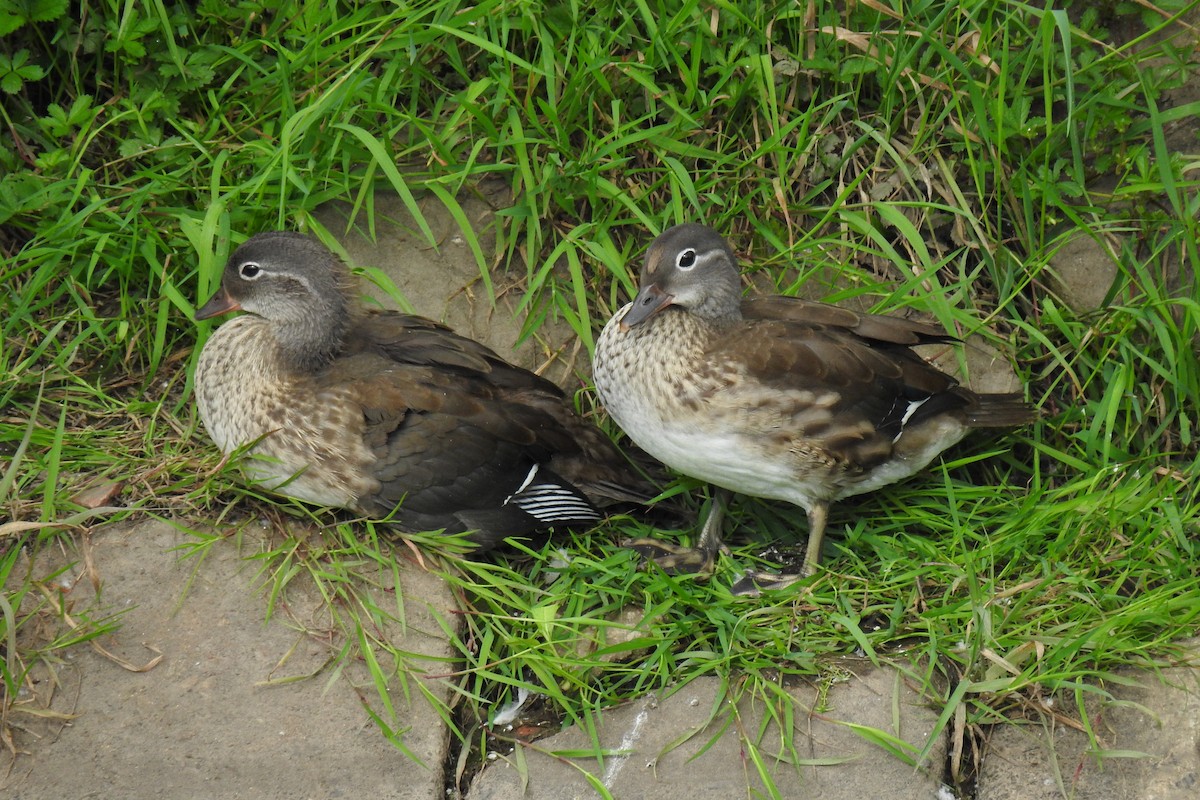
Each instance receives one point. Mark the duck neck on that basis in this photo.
(720, 311)
(310, 341)
(722, 305)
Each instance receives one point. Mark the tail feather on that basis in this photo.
(999, 411)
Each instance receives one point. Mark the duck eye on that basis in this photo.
(250, 271)
(686, 259)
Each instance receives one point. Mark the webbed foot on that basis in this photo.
(754, 583)
(698, 560)
(675, 559)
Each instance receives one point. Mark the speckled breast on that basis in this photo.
(309, 441)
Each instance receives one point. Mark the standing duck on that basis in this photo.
(390, 415)
(774, 397)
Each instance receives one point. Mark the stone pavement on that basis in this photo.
(1151, 735)
(662, 745)
(218, 717)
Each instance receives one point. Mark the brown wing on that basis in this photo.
(465, 440)
(409, 339)
(451, 452)
(579, 451)
(867, 358)
(846, 332)
(877, 328)
(878, 385)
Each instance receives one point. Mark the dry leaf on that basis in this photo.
(98, 494)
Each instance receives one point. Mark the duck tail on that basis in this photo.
(999, 411)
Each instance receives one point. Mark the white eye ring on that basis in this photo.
(250, 271)
(686, 259)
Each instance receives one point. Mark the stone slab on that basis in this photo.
(203, 722)
(1149, 736)
(677, 746)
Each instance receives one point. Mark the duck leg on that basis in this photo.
(697, 560)
(817, 517)
(710, 535)
(753, 583)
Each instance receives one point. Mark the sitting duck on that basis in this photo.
(390, 415)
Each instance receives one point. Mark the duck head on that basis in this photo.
(297, 286)
(692, 267)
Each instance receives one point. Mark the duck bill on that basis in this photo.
(221, 303)
(649, 301)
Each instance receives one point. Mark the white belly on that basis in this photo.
(728, 460)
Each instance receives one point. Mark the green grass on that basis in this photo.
(933, 162)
